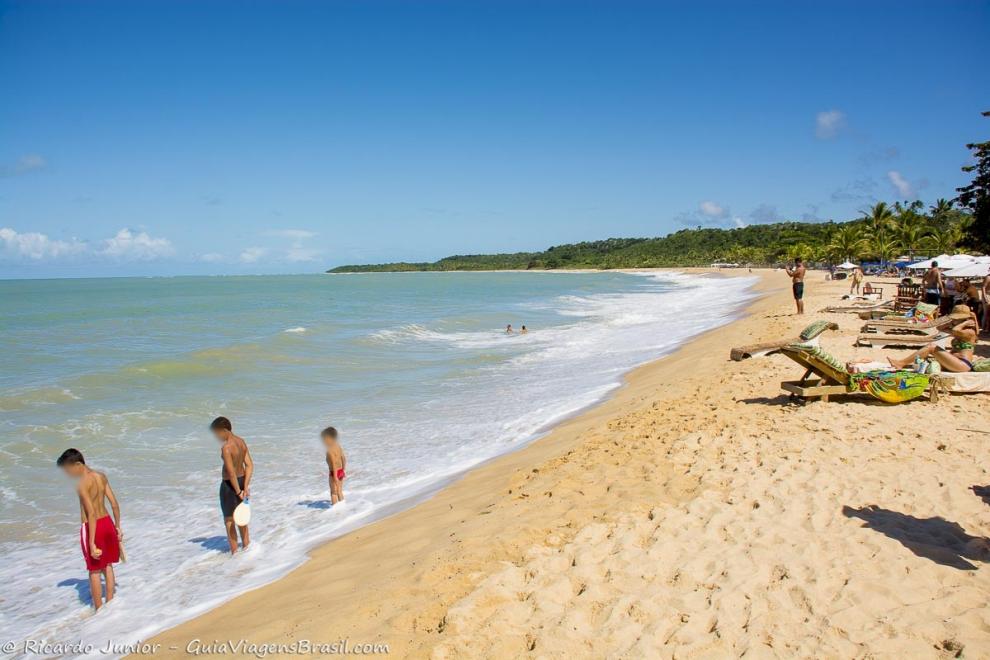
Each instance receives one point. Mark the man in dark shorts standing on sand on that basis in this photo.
(797, 283)
(933, 284)
(235, 478)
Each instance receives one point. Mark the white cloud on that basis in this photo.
(252, 254)
(902, 185)
(294, 234)
(131, 246)
(713, 209)
(212, 257)
(36, 246)
(740, 223)
(26, 163)
(296, 254)
(829, 123)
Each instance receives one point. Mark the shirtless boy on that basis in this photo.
(99, 535)
(235, 479)
(797, 286)
(336, 463)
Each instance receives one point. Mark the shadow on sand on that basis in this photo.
(937, 539)
(315, 504)
(982, 492)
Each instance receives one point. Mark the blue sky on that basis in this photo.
(179, 137)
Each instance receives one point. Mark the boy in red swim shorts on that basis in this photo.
(99, 535)
(336, 463)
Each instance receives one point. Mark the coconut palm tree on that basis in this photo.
(910, 228)
(847, 242)
(879, 218)
(940, 210)
(944, 239)
(884, 246)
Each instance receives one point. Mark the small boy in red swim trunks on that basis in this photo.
(336, 462)
(99, 535)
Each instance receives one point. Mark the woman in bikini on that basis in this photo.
(959, 358)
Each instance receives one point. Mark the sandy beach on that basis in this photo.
(694, 514)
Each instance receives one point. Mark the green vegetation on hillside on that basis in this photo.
(882, 234)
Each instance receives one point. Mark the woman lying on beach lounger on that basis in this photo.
(957, 359)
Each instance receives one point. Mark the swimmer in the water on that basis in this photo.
(508, 329)
(523, 330)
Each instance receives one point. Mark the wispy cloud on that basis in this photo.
(713, 209)
(764, 213)
(901, 185)
(36, 246)
(26, 163)
(829, 123)
(212, 258)
(252, 254)
(860, 190)
(130, 246)
(300, 254)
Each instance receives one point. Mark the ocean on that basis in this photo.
(414, 369)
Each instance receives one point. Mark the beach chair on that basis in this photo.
(834, 379)
(908, 295)
(809, 334)
(904, 339)
(909, 320)
(867, 307)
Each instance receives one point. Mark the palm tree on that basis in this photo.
(879, 218)
(944, 239)
(884, 246)
(940, 210)
(910, 229)
(847, 242)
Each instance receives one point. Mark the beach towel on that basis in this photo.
(821, 354)
(890, 386)
(964, 383)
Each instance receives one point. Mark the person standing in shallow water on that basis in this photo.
(797, 283)
(523, 330)
(509, 330)
(99, 534)
(235, 479)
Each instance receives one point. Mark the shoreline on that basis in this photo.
(691, 512)
(760, 290)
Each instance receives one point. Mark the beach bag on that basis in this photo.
(890, 386)
(982, 365)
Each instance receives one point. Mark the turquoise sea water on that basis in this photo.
(414, 369)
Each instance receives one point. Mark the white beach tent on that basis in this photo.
(945, 262)
(979, 267)
(847, 266)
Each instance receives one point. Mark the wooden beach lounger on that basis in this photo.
(809, 334)
(834, 378)
(964, 383)
(897, 325)
(867, 307)
(909, 340)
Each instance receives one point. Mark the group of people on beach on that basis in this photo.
(961, 300)
(100, 535)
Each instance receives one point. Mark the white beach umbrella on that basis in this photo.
(972, 269)
(847, 266)
(944, 262)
